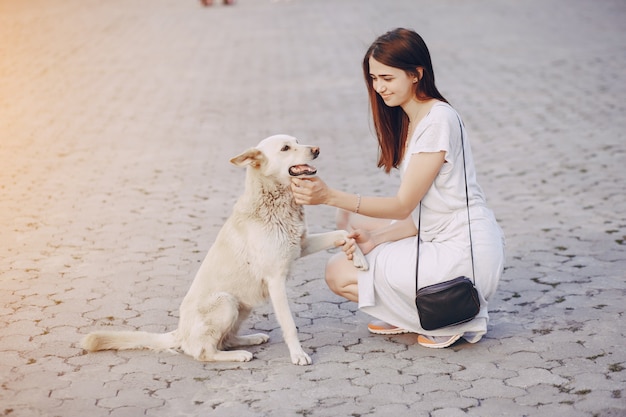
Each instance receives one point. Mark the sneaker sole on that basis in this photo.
(388, 331)
(445, 344)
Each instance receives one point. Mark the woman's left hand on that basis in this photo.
(357, 238)
(363, 239)
(310, 190)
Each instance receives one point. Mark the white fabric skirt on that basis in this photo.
(387, 289)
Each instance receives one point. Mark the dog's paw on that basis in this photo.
(226, 356)
(245, 340)
(235, 356)
(359, 260)
(300, 358)
(256, 339)
(242, 356)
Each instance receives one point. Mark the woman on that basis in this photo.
(420, 134)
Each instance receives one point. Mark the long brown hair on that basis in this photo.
(404, 49)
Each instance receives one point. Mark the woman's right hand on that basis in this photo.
(310, 190)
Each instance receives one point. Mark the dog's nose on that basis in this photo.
(315, 151)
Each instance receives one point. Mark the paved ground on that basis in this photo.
(117, 120)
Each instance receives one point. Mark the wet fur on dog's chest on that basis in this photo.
(281, 221)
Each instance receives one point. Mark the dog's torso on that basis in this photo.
(263, 234)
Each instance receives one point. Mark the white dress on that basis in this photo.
(387, 289)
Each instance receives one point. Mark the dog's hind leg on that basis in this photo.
(214, 355)
(247, 340)
(234, 339)
(215, 319)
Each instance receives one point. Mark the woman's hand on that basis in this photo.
(362, 238)
(310, 190)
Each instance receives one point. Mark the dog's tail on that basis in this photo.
(125, 340)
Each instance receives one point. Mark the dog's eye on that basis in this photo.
(285, 148)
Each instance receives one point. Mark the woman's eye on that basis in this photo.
(285, 148)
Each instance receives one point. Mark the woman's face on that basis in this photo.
(394, 85)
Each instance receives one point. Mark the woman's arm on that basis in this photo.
(368, 240)
(395, 231)
(420, 174)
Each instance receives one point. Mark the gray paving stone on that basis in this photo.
(116, 128)
(449, 412)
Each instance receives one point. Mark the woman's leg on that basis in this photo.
(341, 277)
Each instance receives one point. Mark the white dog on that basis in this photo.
(248, 262)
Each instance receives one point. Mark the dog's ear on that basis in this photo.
(252, 157)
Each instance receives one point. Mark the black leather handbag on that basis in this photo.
(450, 302)
(447, 303)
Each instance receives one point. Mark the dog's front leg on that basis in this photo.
(322, 241)
(278, 294)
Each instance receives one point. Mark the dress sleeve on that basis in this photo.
(435, 137)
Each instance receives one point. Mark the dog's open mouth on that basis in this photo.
(298, 170)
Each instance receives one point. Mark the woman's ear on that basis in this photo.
(420, 74)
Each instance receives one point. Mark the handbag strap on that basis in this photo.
(419, 221)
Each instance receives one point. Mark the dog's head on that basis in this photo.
(280, 157)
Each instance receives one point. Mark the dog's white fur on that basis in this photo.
(248, 263)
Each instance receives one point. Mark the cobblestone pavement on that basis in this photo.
(117, 120)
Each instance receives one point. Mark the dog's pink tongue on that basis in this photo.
(298, 170)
